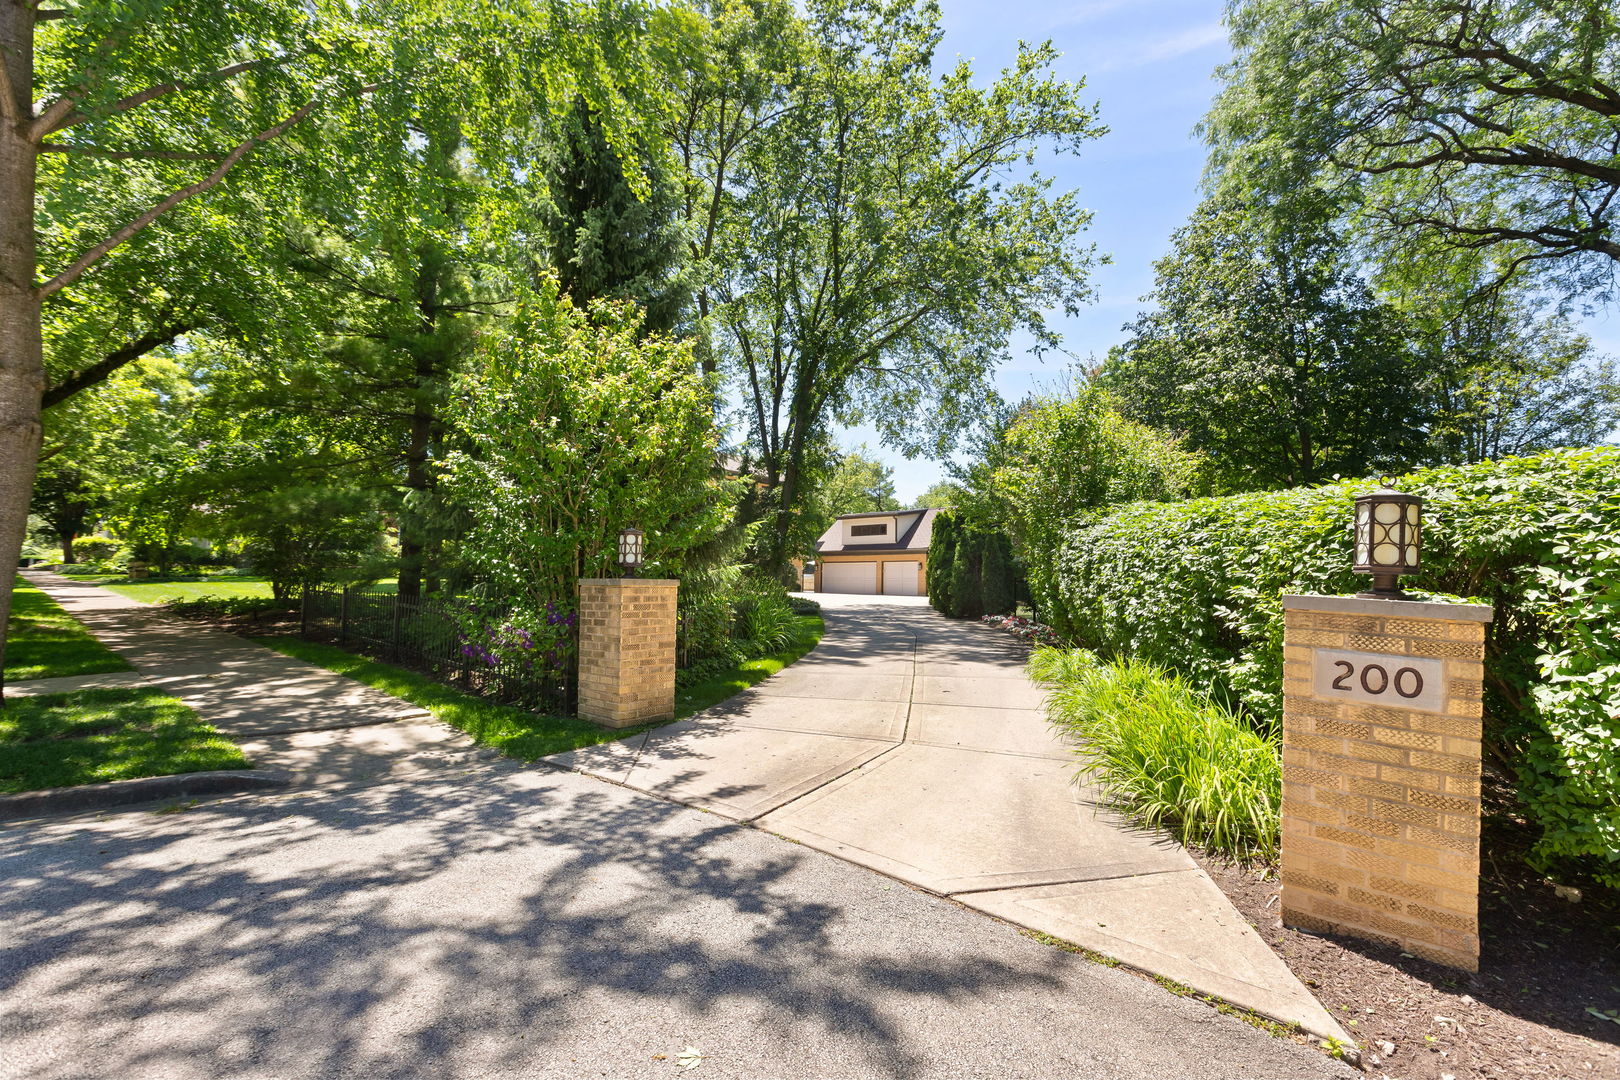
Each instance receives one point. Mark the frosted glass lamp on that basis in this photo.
(1388, 530)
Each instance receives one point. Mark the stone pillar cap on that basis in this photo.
(1405, 609)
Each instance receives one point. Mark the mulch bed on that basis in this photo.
(1545, 960)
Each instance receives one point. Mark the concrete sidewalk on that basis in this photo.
(917, 746)
(316, 726)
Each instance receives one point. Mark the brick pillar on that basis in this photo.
(626, 650)
(1382, 705)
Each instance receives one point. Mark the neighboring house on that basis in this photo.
(885, 552)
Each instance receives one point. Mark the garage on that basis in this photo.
(900, 578)
(849, 577)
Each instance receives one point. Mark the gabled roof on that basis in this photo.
(915, 529)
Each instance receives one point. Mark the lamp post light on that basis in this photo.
(1387, 528)
(630, 551)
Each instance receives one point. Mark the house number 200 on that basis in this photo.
(1376, 679)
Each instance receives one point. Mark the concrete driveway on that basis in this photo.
(916, 745)
(523, 923)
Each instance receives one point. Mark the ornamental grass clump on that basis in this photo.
(1167, 754)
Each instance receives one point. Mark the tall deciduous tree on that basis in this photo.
(1469, 124)
(880, 255)
(1267, 351)
(172, 99)
(116, 82)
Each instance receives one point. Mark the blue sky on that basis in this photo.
(1149, 64)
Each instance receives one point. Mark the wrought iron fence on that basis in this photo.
(432, 636)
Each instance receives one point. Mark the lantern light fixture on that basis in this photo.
(631, 551)
(1388, 527)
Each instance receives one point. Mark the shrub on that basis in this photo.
(1197, 586)
(1066, 455)
(1166, 753)
(214, 607)
(765, 621)
(574, 426)
(970, 569)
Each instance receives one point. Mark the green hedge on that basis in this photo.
(971, 571)
(1197, 586)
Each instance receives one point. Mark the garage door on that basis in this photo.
(849, 577)
(900, 578)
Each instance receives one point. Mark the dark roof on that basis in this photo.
(886, 513)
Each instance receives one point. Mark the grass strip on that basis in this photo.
(95, 736)
(516, 732)
(513, 731)
(45, 642)
(712, 691)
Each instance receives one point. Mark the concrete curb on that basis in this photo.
(71, 800)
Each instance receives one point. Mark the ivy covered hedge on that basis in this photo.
(1197, 586)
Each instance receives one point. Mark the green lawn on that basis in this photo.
(43, 641)
(712, 691)
(93, 736)
(513, 731)
(156, 592)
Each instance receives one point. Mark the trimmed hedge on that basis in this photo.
(1197, 586)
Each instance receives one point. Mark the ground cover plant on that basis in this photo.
(43, 641)
(1165, 752)
(1197, 586)
(94, 736)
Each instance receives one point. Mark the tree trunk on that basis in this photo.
(67, 548)
(22, 369)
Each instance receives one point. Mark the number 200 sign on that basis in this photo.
(1402, 682)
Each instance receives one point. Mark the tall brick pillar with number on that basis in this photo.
(626, 650)
(1381, 762)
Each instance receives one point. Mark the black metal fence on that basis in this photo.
(431, 636)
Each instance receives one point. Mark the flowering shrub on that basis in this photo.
(540, 643)
(1032, 632)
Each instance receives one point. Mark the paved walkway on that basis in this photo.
(916, 746)
(285, 714)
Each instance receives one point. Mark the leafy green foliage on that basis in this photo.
(1166, 753)
(1062, 456)
(971, 571)
(94, 736)
(875, 259)
(1468, 125)
(1197, 585)
(43, 641)
(214, 606)
(577, 428)
(1268, 352)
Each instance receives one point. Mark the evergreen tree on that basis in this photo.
(605, 240)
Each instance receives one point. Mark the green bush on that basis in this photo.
(971, 571)
(1166, 753)
(765, 621)
(212, 607)
(1197, 586)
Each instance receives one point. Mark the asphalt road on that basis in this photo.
(510, 922)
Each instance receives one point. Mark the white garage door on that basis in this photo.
(900, 578)
(849, 577)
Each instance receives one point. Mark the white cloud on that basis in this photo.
(1151, 52)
